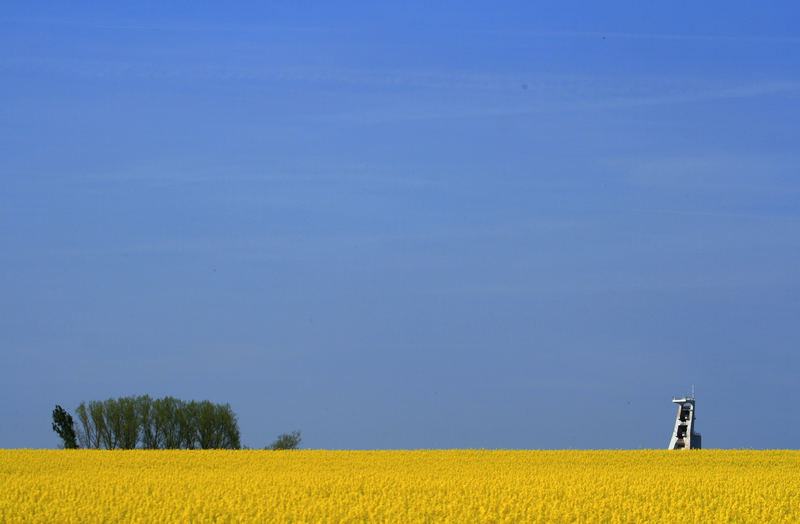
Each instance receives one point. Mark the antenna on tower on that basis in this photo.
(692, 390)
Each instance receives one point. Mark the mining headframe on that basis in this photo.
(684, 435)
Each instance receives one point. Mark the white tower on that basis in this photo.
(684, 435)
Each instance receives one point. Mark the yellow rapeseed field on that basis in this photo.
(399, 486)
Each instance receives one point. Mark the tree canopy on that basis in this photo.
(162, 423)
(286, 441)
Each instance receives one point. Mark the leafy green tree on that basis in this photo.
(144, 414)
(217, 427)
(129, 426)
(166, 427)
(97, 415)
(87, 433)
(113, 423)
(65, 427)
(207, 430)
(187, 424)
(287, 441)
(229, 427)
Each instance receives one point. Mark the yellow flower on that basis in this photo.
(399, 486)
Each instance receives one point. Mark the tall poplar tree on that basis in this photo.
(65, 427)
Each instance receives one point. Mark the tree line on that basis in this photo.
(162, 423)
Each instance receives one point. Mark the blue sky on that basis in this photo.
(500, 225)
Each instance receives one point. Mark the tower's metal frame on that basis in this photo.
(684, 435)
